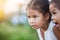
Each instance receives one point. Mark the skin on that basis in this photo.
(55, 13)
(37, 20)
(56, 19)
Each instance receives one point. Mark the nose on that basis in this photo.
(52, 18)
(31, 21)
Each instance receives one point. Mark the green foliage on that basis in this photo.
(17, 32)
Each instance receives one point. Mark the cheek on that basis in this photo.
(58, 19)
(40, 21)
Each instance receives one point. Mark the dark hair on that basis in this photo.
(56, 2)
(40, 5)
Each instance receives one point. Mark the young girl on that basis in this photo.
(55, 11)
(39, 18)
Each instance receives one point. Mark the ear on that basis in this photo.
(46, 16)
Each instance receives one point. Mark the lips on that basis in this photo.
(34, 27)
(55, 23)
(57, 26)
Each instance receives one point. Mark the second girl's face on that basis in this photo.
(55, 13)
(35, 18)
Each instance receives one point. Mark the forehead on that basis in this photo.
(52, 6)
(33, 12)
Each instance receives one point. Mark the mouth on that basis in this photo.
(56, 24)
(34, 27)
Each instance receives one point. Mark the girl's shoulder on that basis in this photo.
(39, 34)
(51, 25)
(49, 34)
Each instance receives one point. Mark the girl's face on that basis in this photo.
(55, 13)
(35, 18)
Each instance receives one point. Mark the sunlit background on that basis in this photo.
(13, 21)
(9, 8)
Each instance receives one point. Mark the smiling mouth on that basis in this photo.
(56, 24)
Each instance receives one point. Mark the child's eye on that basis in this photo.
(54, 13)
(35, 16)
(28, 16)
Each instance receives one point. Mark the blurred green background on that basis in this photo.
(17, 32)
(13, 21)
